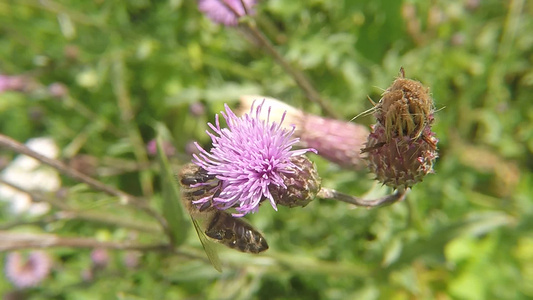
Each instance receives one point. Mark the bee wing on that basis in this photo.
(208, 246)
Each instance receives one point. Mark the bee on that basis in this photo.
(405, 108)
(220, 225)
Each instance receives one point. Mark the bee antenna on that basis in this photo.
(366, 112)
(401, 74)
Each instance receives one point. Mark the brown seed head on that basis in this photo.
(402, 161)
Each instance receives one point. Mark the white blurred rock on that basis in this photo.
(30, 175)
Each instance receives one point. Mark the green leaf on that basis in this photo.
(468, 286)
(476, 224)
(393, 251)
(172, 209)
(208, 246)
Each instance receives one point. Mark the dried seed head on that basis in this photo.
(402, 161)
(302, 185)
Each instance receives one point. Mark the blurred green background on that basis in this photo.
(124, 67)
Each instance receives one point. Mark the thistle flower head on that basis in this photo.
(401, 148)
(27, 272)
(249, 157)
(226, 12)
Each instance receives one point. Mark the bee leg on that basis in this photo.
(217, 229)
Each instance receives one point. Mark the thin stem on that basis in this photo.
(114, 166)
(14, 241)
(69, 213)
(399, 195)
(299, 77)
(39, 222)
(10, 143)
(56, 8)
(125, 198)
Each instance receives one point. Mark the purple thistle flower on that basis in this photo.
(249, 157)
(226, 12)
(24, 273)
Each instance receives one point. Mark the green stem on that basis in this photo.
(299, 77)
(127, 116)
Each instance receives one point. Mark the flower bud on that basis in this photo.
(227, 12)
(302, 185)
(337, 141)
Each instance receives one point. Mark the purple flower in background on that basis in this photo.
(197, 109)
(58, 90)
(100, 257)
(249, 157)
(168, 148)
(131, 259)
(11, 83)
(226, 12)
(24, 273)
